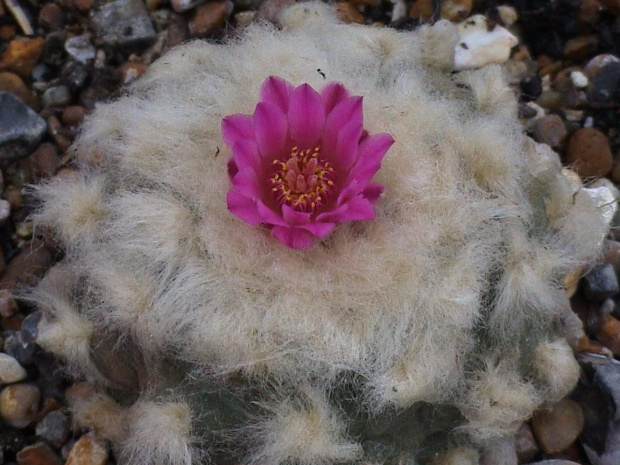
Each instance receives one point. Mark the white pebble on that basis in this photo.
(477, 46)
(605, 197)
(579, 79)
(589, 122)
(10, 370)
(5, 210)
(508, 14)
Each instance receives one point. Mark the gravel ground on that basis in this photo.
(57, 59)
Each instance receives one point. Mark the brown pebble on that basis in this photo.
(525, 444)
(8, 306)
(7, 32)
(549, 130)
(587, 345)
(589, 152)
(38, 454)
(615, 172)
(608, 333)
(589, 12)
(270, 9)
(209, 17)
(130, 71)
(612, 5)
(30, 263)
(12, 83)
(422, 10)
(50, 16)
(178, 32)
(557, 426)
(581, 47)
(12, 323)
(19, 404)
(56, 131)
(45, 161)
(21, 55)
(349, 13)
(456, 10)
(72, 116)
(83, 6)
(88, 451)
(50, 404)
(562, 81)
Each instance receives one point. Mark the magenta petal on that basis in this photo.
(270, 129)
(245, 154)
(373, 191)
(319, 229)
(371, 151)
(294, 218)
(333, 93)
(246, 182)
(347, 145)
(236, 128)
(277, 91)
(269, 216)
(306, 116)
(243, 207)
(295, 238)
(346, 112)
(357, 208)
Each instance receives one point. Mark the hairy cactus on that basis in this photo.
(440, 323)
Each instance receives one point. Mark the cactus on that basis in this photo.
(203, 338)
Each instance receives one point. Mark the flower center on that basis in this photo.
(304, 181)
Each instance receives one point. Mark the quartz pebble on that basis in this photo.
(508, 15)
(589, 151)
(10, 370)
(54, 428)
(81, 49)
(38, 454)
(558, 425)
(479, 45)
(549, 130)
(579, 79)
(21, 128)
(88, 451)
(19, 404)
(124, 23)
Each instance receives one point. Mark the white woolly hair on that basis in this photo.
(443, 298)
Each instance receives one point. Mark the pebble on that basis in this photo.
(456, 10)
(597, 63)
(56, 96)
(21, 55)
(549, 130)
(124, 23)
(57, 132)
(580, 47)
(10, 370)
(50, 16)
(45, 161)
(500, 452)
(130, 71)
(21, 128)
(72, 116)
(8, 306)
(38, 454)
(605, 196)
(88, 451)
(184, 5)
(13, 84)
(601, 283)
(209, 18)
(27, 266)
(531, 87)
(81, 49)
(30, 326)
(7, 32)
(605, 86)
(349, 14)
(589, 151)
(15, 345)
(54, 428)
(525, 444)
(19, 404)
(83, 6)
(270, 9)
(74, 74)
(589, 12)
(579, 79)
(478, 46)
(178, 32)
(508, 15)
(423, 10)
(558, 425)
(612, 5)
(608, 333)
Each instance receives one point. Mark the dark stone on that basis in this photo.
(406, 24)
(125, 24)
(531, 88)
(21, 128)
(54, 49)
(54, 428)
(601, 283)
(56, 96)
(30, 326)
(74, 75)
(20, 350)
(605, 87)
(598, 393)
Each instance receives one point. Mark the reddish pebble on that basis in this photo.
(581, 47)
(456, 10)
(8, 306)
(72, 116)
(7, 32)
(558, 425)
(608, 333)
(55, 129)
(349, 13)
(38, 454)
(589, 152)
(549, 130)
(612, 5)
(589, 12)
(130, 71)
(50, 16)
(45, 161)
(21, 55)
(83, 6)
(88, 451)
(209, 18)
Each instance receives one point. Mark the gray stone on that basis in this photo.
(81, 49)
(525, 444)
(10, 370)
(5, 210)
(605, 86)
(21, 350)
(54, 428)
(124, 23)
(500, 452)
(601, 283)
(185, 5)
(56, 96)
(21, 128)
(30, 326)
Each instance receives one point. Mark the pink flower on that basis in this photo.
(302, 163)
